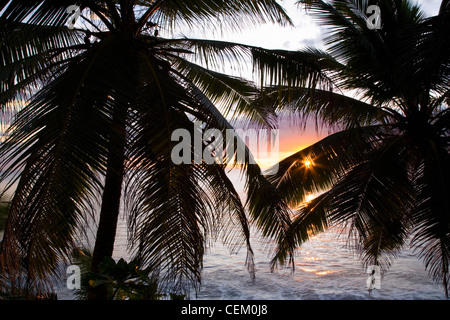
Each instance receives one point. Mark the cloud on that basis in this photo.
(431, 7)
(273, 36)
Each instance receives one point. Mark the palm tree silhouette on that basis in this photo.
(385, 172)
(104, 98)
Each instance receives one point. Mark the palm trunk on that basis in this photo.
(109, 213)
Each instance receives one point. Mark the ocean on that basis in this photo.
(325, 269)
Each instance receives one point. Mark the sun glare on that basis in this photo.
(309, 197)
(308, 163)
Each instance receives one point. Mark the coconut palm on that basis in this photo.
(384, 174)
(101, 101)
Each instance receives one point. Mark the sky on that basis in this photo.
(305, 32)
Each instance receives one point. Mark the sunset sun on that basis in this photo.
(308, 163)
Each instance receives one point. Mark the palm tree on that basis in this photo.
(102, 101)
(384, 174)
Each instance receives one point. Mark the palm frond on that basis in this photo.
(431, 214)
(175, 210)
(232, 14)
(370, 198)
(30, 57)
(213, 54)
(325, 106)
(235, 93)
(430, 38)
(57, 159)
(309, 68)
(329, 159)
(178, 203)
(373, 200)
(36, 12)
(267, 209)
(308, 220)
(390, 183)
(389, 73)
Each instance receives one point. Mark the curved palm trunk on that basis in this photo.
(106, 232)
